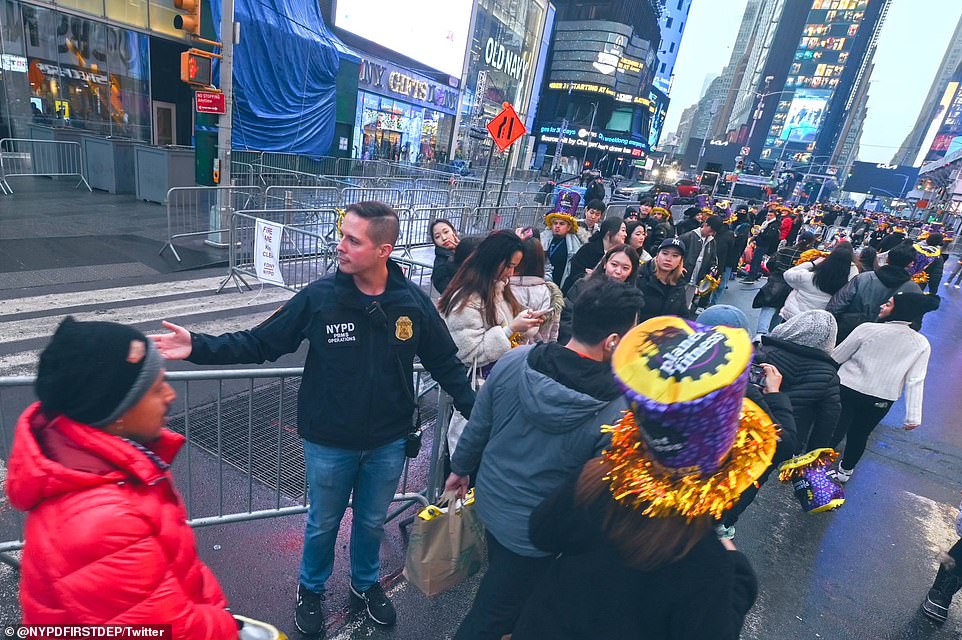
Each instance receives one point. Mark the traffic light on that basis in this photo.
(189, 20)
(196, 68)
(740, 165)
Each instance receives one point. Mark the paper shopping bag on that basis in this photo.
(445, 548)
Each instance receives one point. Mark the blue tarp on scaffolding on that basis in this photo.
(285, 71)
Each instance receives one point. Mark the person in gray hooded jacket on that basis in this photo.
(536, 421)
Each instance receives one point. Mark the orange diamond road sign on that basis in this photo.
(506, 127)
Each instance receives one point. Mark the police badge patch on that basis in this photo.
(404, 328)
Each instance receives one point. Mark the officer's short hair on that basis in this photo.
(604, 307)
(384, 226)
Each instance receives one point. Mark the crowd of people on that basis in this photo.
(613, 416)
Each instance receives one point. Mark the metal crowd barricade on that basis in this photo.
(531, 216)
(277, 197)
(51, 158)
(392, 197)
(243, 459)
(424, 198)
(485, 219)
(308, 237)
(466, 197)
(204, 211)
(242, 174)
(416, 225)
(276, 176)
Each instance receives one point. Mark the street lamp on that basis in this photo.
(704, 138)
(905, 183)
(591, 129)
(760, 109)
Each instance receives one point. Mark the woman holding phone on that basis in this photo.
(482, 313)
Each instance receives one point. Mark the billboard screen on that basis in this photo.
(937, 119)
(433, 32)
(881, 179)
(805, 115)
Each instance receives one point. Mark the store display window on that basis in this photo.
(397, 131)
(77, 73)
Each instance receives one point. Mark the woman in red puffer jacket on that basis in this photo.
(107, 540)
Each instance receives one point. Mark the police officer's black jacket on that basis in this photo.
(357, 391)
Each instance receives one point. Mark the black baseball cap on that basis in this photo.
(672, 243)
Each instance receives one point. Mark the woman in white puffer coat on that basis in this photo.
(483, 316)
(814, 282)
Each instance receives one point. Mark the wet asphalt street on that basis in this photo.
(855, 574)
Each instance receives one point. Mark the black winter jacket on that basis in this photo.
(660, 299)
(357, 391)
(590, 591)
(567, 312)
(724, 246)
(444, 268)
(768, 239)
(810, 380)
(587, 257)
(860, 299)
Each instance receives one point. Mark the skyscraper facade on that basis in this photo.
(831, 51)
(911, 146)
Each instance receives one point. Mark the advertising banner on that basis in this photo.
(267, 252)
(805, 115)
(433, 32)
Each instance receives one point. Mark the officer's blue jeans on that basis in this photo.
(332, 475)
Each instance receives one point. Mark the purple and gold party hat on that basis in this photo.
(692, 442)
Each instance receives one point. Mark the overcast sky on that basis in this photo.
(913, 40)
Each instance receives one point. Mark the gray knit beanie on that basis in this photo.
(816, 329)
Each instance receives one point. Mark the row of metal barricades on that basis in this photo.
(203, 214)
(243, 459)
(20, 157)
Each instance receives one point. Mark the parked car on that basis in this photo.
(686, 188)
(634, 190)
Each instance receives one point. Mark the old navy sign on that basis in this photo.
(499, 57)
(387, 79)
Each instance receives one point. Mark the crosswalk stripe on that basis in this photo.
(23, 363)
(107, 296)
(40, 327)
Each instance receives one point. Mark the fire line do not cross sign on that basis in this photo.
(506, 127)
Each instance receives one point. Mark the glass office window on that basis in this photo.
(96, 7)
(162, 14)
(133, 12)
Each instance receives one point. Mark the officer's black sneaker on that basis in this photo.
(936, 605)
(379, 608)
(309, 616)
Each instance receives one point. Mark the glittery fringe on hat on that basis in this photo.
(810, 255)
(815, 458)
(638, 481)
(924, 256)
(807, 472)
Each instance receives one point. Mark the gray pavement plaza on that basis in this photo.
(859, 573)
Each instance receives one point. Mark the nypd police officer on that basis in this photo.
(365, 324)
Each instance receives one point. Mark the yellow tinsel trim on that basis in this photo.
(708, 284)
(809, 255)
(921, 277)
(927, 251)
(516, 339)
(815, 458)
(340, 218)
(637, 481)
